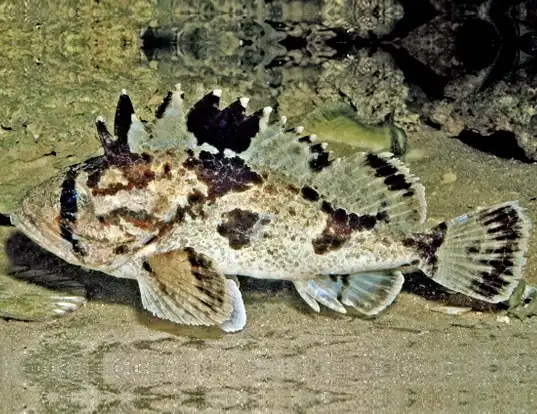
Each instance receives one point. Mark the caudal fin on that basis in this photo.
(480, 254)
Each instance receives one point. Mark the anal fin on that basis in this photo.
(369, 293)
(237, 319)
(184, 287)
(313, 294)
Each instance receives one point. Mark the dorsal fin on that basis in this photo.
(169, 130)
(203, 124)
(374, 184)
(129, 133)
(119, 146)
(364, 183)
(287, 152)
(123, 117)
(229, 128)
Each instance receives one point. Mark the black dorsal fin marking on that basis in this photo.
(106, 138)
(228, 128)
(117, 149)
(122, 120)
(247, 130)
(203, 111)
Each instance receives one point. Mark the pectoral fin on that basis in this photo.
(184, 287)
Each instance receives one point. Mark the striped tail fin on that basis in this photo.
(479, 254)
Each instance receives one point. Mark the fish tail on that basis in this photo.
(480, 254)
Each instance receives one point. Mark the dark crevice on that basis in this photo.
(417, 12)
(502, 144)
(432, 124)
(5, 220)
(477, 44)
(417, 73)
(294, 43)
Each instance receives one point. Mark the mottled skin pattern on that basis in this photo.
(283, 248)
(160, 212)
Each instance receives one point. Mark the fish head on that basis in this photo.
(88, 215)
(38, 217)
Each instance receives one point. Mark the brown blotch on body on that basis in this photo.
(293, 189)
(310, 194)
(197, 260)
(147, 157)
(140, 219)
(339, 227)
(427, 244)
(121, 249)
(237, 227)
(138, 174)
(270, 189)
(222, 174)
(167, 170)
(193, 208)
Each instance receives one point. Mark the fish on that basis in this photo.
(187, 202)
(338, 122)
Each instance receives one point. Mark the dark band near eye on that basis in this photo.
(69, 210)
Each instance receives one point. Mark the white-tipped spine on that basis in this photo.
(244, 101)
(264, 120)
(177, 101)
(136, 124)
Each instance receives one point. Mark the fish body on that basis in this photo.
(206, 194)
(338, 122)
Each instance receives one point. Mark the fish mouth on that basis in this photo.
(43, 235)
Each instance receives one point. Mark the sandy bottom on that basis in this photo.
(110, 358)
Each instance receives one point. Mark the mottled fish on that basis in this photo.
(205, 194)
